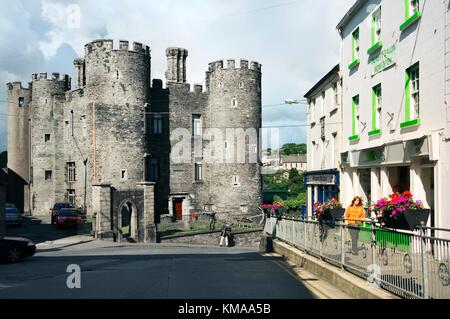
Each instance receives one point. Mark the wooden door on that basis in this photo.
(178, 206)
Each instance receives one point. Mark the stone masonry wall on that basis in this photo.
(247, 239)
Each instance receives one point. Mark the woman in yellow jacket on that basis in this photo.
(353, 216)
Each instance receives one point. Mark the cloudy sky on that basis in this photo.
(295, 40)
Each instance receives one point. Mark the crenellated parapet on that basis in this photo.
(17, 86)
(108, 45)
(231, 65)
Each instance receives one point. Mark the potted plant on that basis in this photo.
(400, 211)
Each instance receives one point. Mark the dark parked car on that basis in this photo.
(56, 208)
(14, 249)
(69, 217)
(12, 215)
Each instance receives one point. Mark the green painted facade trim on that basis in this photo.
(410, 123)
(355, 104)
(374, 109)
(354, 138)
(373, 30)
(375, 132)
(406, 9)
(410, 21)
(375, 47)
(354, 64)
(407, 97)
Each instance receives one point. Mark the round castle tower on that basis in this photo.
(43, 110)
(117, 85)
(234, 105)
(19, 99)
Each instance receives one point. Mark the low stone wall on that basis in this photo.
(249, 238)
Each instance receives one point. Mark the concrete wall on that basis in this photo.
(321, 104)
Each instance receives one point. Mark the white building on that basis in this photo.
(396, 82)
(288, 162)
(324, 134)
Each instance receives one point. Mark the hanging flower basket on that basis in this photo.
(336, 213)
(409, 220)
(400, 211)
(329, 211)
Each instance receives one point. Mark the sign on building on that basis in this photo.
(384, 60)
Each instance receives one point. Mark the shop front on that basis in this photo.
(322, 186)
(390, 168)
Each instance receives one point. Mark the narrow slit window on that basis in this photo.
(234, 103)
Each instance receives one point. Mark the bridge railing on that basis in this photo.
(409, 264)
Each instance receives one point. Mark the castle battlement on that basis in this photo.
(231, 65)
(55, 77)
(108, 45)
(16, 86)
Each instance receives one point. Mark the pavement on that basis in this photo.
(156, 271)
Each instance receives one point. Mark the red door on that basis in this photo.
(178, 204)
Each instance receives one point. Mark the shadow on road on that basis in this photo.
(40, 230)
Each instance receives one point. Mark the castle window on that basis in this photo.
(196, 125)
(21, 101)
(157, 124)
(124, 175)
(48, 175)
(241, 85)
(198, 171)
(220, 85)
(47, 137)
(234, 103)
(70, 172)
(236, 181)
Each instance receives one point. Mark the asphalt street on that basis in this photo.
(160, 271)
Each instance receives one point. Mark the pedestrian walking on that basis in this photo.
(353, 216)
(225, 235)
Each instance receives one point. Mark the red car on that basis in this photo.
(69, 217)
(56, 208)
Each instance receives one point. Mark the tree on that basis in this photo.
(4, 159)
(293, 149)
(293, 173)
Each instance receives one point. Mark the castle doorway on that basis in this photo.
(128, 220)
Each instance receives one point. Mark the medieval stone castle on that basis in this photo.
(115, 128)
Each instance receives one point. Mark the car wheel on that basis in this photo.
(13, 255)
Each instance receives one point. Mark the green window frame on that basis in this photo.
(376, 31)
(355, 117)
(377, 104)
(355, 49)
(412, 96)
(412, 13)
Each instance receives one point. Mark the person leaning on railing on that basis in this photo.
(353, 216)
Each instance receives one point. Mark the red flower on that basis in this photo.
(407, 194)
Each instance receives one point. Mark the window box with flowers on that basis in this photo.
(400, 211)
